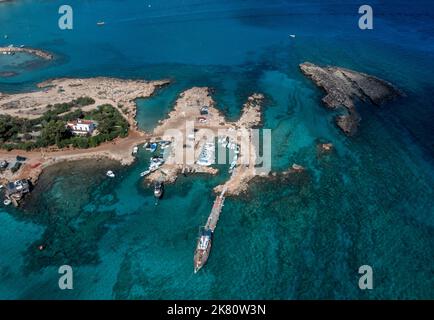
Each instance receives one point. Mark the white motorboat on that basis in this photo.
(165, 144)
(145, 173)
(155, 165)
(7, 202)
(110, 174)
(158, 190)
(135, 150)
(207, 155)
(153, 147)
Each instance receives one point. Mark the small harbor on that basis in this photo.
(156, 160)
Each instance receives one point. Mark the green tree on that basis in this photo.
(53, 133)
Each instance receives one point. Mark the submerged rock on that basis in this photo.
(8, 74)
(325, 148)
(344, 87)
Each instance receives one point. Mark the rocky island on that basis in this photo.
(344, 87)
(34, 52)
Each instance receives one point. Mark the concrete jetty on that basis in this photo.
(214, 216)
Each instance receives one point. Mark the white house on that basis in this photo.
(81, 127)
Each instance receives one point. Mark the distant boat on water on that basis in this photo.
(158, 190)
(292, 35)
(100, 23)
(110, 174)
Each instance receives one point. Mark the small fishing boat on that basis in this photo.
(165, 144)
(158, 190)
(156, 162)
(145, 173)
(110, 174)
(156, 158)
(100, 23)
(292, 35)
(135, 150)
(7, 202)
(153, 147)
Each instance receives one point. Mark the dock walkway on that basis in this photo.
(215, 212)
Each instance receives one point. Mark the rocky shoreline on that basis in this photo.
(344, 87)
(34, 52)
(119, 93)
(105, 90)
(8, 74)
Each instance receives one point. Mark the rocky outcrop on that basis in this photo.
(35, 52)
(344, 87)
(8, 74)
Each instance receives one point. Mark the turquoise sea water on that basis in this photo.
(370, 202)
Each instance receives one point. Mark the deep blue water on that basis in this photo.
(370, 202)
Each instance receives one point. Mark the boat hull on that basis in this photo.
(201, 255)
(159, 191)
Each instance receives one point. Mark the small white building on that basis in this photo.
(81, 127)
